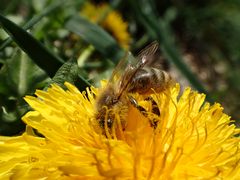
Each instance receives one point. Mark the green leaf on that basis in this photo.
(96, 36)
(34, 49)
(4, 89)
(20, 75)
(12, 128)
(10, 115)
(70, 72)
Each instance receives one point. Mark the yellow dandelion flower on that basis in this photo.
(192, 140)
(112, 22)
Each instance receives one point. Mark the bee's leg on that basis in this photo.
(155, 109)
(135, 104)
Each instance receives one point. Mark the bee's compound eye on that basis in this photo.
(111, 101)
(143, 81)
(115, 100)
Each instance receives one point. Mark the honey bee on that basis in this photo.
(142, 75)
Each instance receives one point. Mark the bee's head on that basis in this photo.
(108, 98)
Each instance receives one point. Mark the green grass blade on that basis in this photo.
(159, 30)
(34, 49)
(96, 36)
(51, 8)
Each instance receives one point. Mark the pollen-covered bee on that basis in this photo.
(142, 75)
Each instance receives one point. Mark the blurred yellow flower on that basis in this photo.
(110, 20)
(192, 140)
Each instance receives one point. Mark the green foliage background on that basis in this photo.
(199, 39)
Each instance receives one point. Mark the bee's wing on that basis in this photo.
(146, 57)
(129, 65)
(126, 63)
(153, 56)
(149, 52)
(123, 73)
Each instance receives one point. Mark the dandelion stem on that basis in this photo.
(85, 55)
